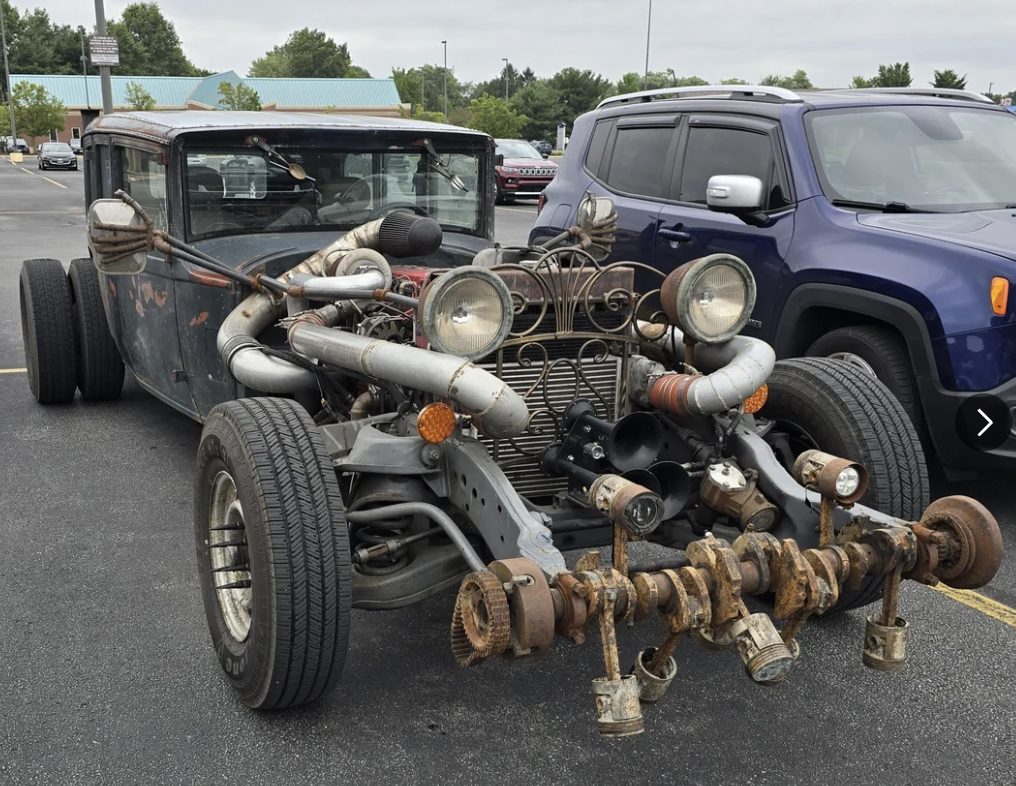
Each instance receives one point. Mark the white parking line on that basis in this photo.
(519, 210)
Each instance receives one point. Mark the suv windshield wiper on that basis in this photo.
(886, 207)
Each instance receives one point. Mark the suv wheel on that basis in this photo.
(879, 353)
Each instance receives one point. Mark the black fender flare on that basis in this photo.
(900, 315)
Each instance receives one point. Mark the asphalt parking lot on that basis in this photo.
(107, 675)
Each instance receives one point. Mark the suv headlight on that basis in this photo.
(710, 299)
(466, 312)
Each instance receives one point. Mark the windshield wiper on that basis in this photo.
(885, 207)
(439, 166)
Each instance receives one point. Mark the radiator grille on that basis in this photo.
(600, 383)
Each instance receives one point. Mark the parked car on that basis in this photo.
(56, 155)
(397, 407)
(521, 170)
(11, 145)
(543, 148)
(75, 146)
(878, 225)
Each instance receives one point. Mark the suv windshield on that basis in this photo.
(515, 148)
(928, 158)
(240, 191)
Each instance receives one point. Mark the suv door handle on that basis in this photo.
(675, 235)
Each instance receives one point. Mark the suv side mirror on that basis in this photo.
(545, 155)
(739, 195)
(499, 160)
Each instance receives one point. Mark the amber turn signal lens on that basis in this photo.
(757, 400)
(436, 422)
(999, 295)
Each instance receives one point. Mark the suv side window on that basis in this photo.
(727, 151)
(639, 163)
(144, 178)
(598, 146)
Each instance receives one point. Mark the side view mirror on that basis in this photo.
(739, 195)
(545, 155)
(499, 160)
(598, 219)
(108, 222)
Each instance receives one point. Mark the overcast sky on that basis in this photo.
(832, 41)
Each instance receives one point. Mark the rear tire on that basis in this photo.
(266, 481)
(47, 329)
(100, 368)
(836, 407)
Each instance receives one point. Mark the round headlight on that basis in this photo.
(466, 312)
(710, 299)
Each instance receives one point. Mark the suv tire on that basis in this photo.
(834, 406)
(880, 352)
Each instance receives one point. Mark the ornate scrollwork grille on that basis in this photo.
(574, 332)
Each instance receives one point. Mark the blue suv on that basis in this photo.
(880, 226)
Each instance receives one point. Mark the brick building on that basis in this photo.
(82, 96)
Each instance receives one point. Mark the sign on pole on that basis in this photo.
(1007, 101)
(103, 50)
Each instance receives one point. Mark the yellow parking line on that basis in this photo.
(978, 602)
(29, 171)
(13, 370)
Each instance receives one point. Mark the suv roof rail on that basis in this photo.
(705, 91)
(936, 92)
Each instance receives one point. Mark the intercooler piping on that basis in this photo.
(398, 234)
(499, 410)
(742, 365)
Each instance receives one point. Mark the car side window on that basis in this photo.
(597, 146)
(727, 151)
(639, 161)
(144, 178)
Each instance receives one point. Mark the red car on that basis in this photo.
(521, 170)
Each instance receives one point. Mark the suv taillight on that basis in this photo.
(541, 203)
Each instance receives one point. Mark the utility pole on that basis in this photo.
(107, 87)
(649, 33)
(505, 59)
(84, 66)
(423, 98)
(7, 77)
(445, 77)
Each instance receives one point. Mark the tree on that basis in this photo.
(307, 54)
(799, 81)
(542, 105)
(733, 82)
(36, 111)
(895, 75)
(580, 91)
(629, 83)
(496, 86)
(149, 44)
(408, 83)
(496, 117)
(357, 72)
(860, 82)
(950, 79)
(138, 98)
(239, 97)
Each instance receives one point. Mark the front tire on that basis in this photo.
(273, 552)
(100, 368)
(47, 330)
(835, 407)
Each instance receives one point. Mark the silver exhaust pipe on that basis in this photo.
(499, 410)
(398, 234)
(739, 368)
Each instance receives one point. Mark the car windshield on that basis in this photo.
(57, 147)
(514, 148)
(928, 158)
(240, 191)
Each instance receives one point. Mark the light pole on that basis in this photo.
(107, 87)
(649, 32)
(7, 77)
(84, 66)
(445, 80)
(505, 60)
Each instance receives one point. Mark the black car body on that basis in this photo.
(57, 155)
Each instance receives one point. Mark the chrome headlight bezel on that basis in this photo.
(678, 292)
(431, 301)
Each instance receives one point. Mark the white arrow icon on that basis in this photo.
(990, 422)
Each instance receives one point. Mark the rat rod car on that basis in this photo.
(392, 405)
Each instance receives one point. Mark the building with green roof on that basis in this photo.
(82, 96)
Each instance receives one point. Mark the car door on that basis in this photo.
(147, 302)
(688, 229)
(635, 171)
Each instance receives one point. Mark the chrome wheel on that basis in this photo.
(855, 360)
(230, 557)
